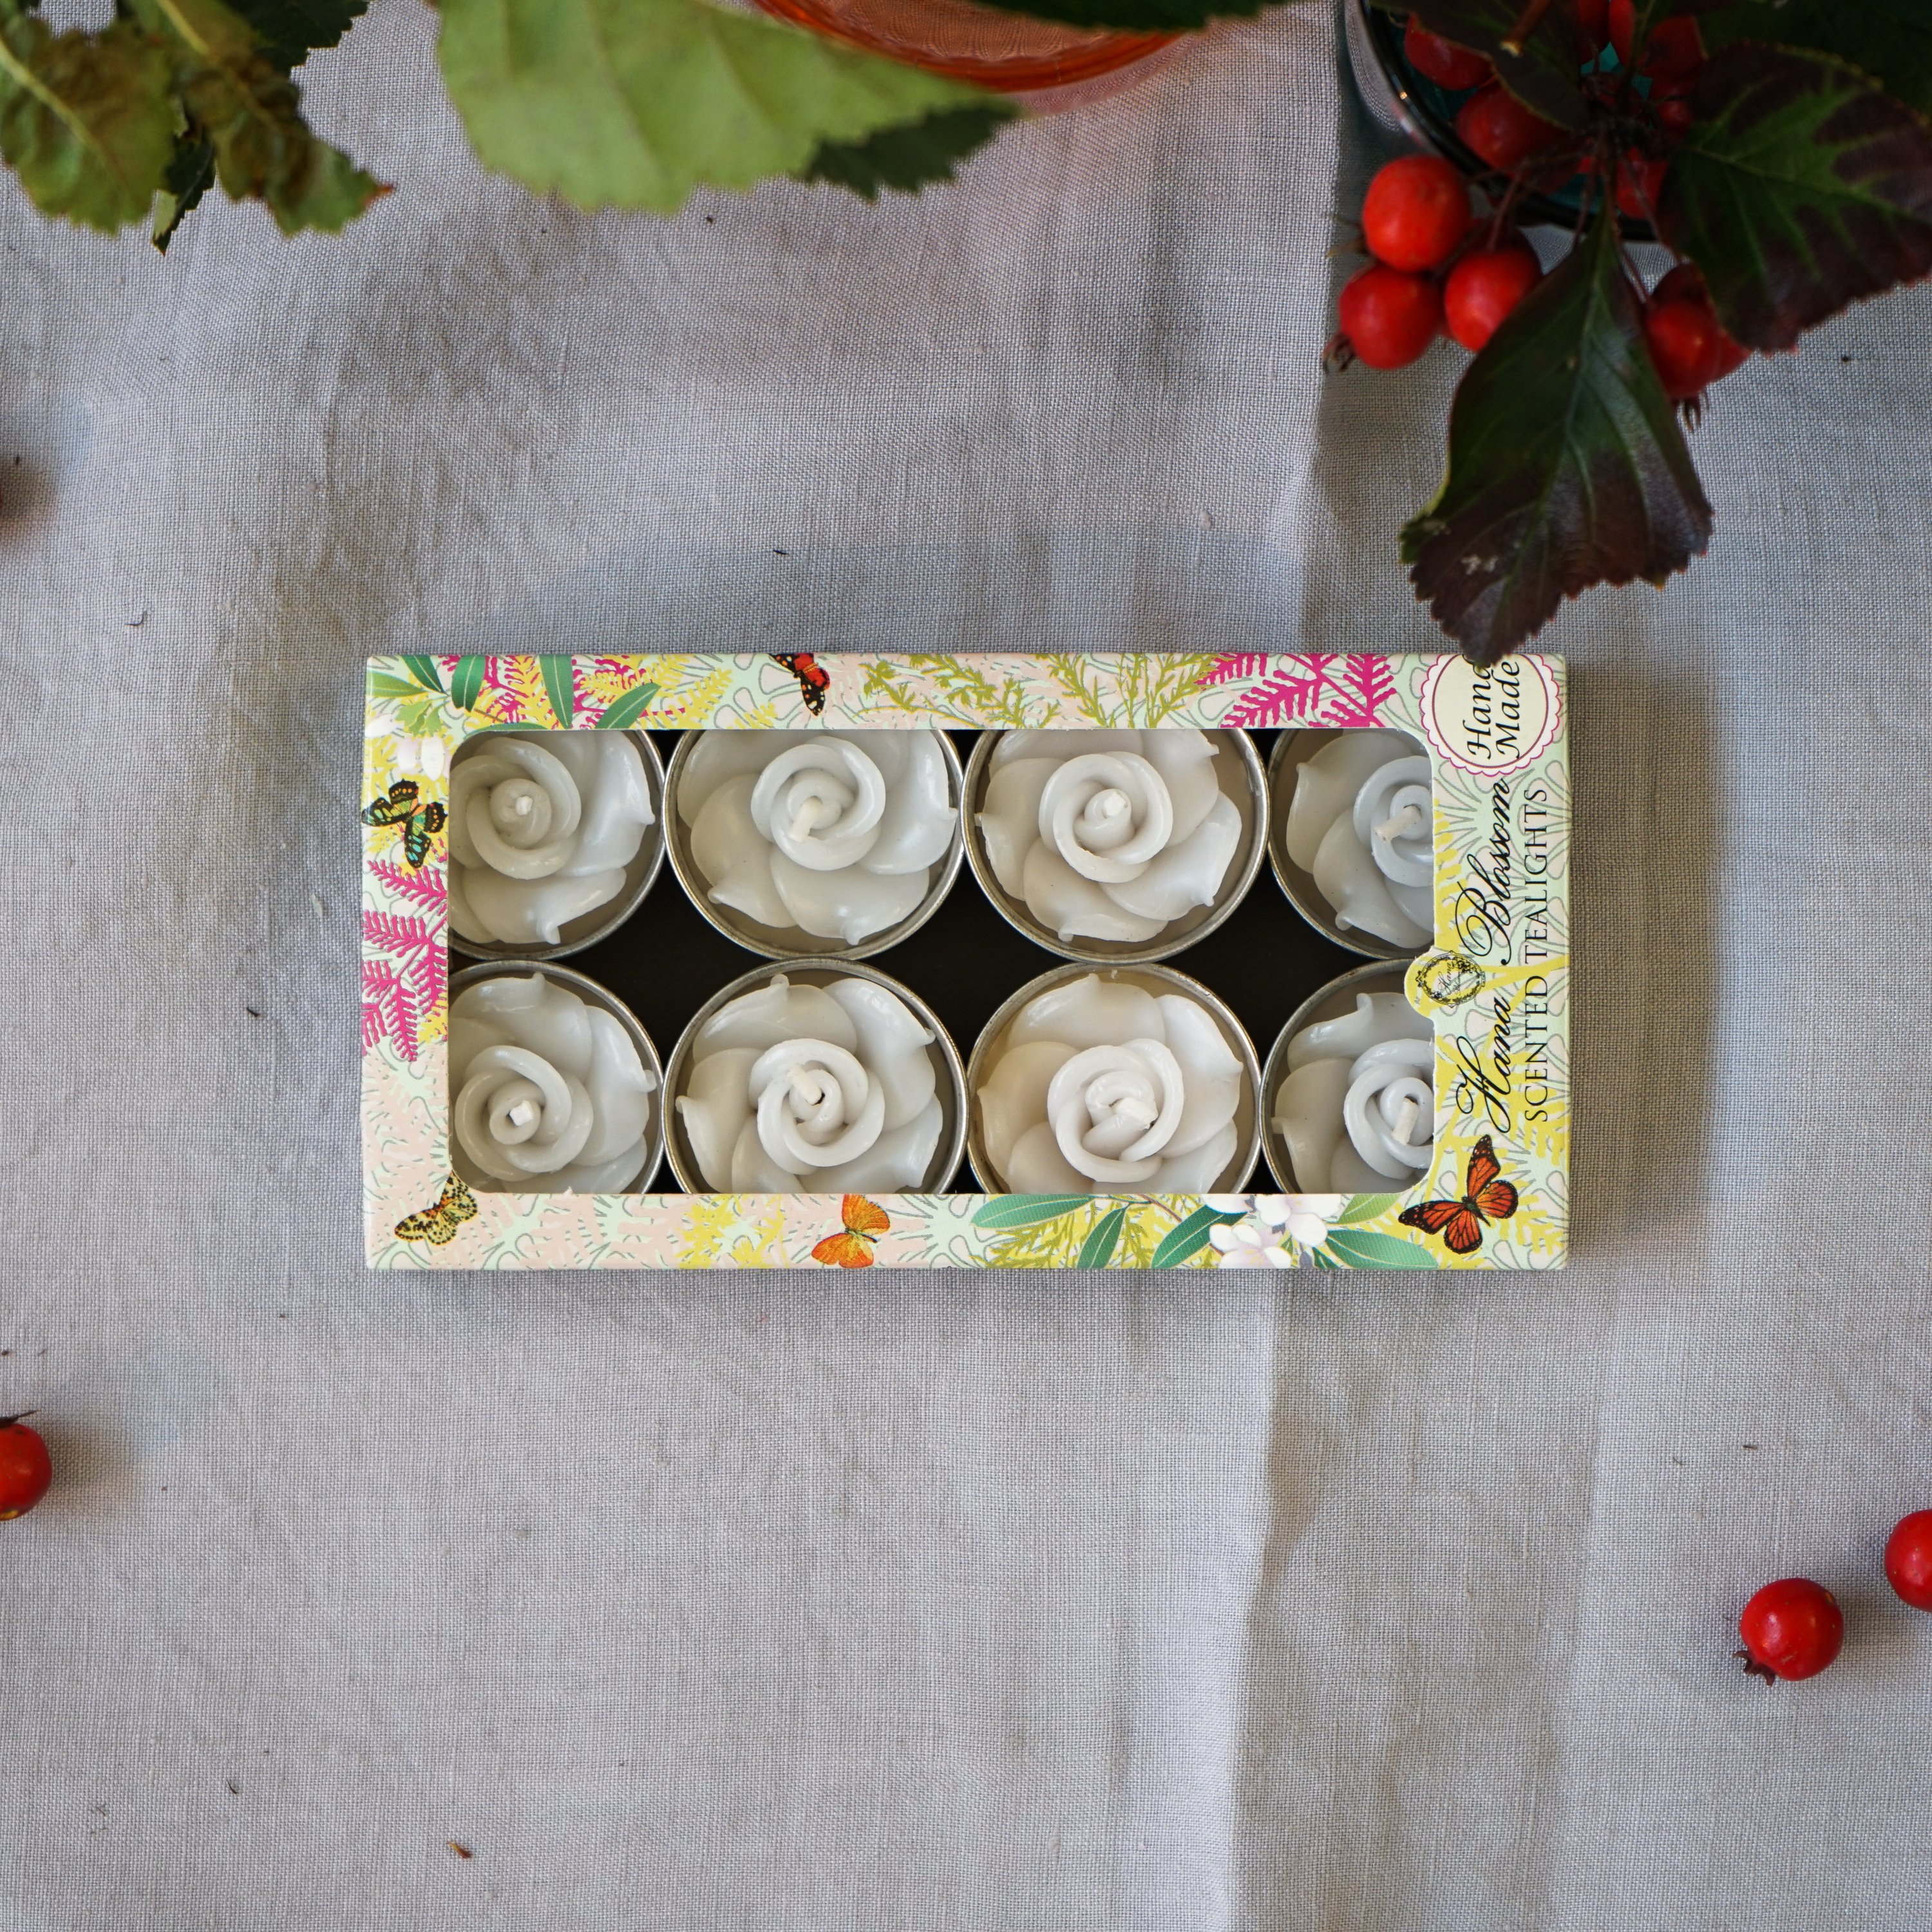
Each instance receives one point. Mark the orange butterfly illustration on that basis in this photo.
(1489, 1198)
(865, 1221)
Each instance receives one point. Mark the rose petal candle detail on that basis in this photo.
(794, 1088)
(1356, 1110)
(548, 1092)
(1361, 822)
(835, 836)
(542, 826)
(1100, 1082)
(1115, 839)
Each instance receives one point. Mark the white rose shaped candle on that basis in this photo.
(542, 825)
(1357, 1110)
(834, 835)
(548, 1092)
(1361, 823)
(1116, 836)
(1105, 1081)
(791, 1088)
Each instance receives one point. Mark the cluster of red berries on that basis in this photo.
(1794, 1627)
(1438, 268)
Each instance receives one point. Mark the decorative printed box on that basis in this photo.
(1493, 985)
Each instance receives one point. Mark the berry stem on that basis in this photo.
(1527, 22)
(7, 1421)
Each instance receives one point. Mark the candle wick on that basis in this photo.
(805, 816)
(1408, 819)
(522, 805)
(1406, 1115)
(522, 1114)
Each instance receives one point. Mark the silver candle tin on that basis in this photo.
(790, 943)
(592, 995)
(1154, 978)
(1332, 1002)
(1292, 750)
(1241, 779)
(951, 1089)
(640, 875)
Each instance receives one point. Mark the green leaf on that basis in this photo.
(1357, 1250)
(1097, 1250)
(465, 682)
(622, 714)
(1891, 39)
(190, 175)
(910, 157)
(632, 103)
(251, 113)
(289, 31)
(560, 688)
(1566, 467)
(1801, 186)
(1321, 1260)
(1365, 1208)
(87, 121)
(1187, 1238)
(1027, 1210)
(382, 685)
(424, 670)
(1545, 74)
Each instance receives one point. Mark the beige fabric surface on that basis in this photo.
(1316, 1604)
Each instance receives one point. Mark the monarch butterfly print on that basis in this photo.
(437, 1225)
(814, 679)
(1489, 1198)
(419, 823)
(865, 1221)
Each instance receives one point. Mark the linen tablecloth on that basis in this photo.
(1308, 1602)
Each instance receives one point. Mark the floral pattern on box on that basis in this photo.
(1495, 984)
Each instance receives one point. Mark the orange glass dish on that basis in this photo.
(1012, 53)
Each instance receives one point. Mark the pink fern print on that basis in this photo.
(1372, 685)
(429, 888)
(1325, 688)
(1227, 670)
(401, 989)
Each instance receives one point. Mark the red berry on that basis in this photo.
(1484, 286)
(1621, 15)
(1639, 182)
(1674, 51)
(1791, 1628)
(1908, 1559)
(1497, 127)
(1390, 318)
(1684, 284)
(1443, 61)
(1673, 116)
(25, 1470)
(1416, 212)
(1593, 24)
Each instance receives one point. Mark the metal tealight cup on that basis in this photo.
(587, 990)
(1150, 978)
(1241, 779)
(951, 1089)
(791, 943)
(600, 921)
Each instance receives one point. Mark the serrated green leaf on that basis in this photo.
(1365, 1208)
(87, 121)
(911, 157)
(384, 686)
(626, 712)
(1187, 1237)
(1354, 1248)
(1890, 40)
(1566, 467)
(251, 113)
(424, 670)
(632, 103)
(559, 688)
(465, 682)
(1545, 74)
(190, 174)
(1027, 1210)
(289, 31)
(1801, 187)
(1097, 1250)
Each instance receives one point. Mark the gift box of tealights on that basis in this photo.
(974, 961)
